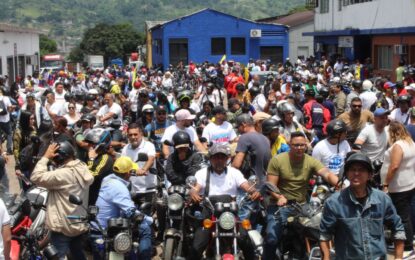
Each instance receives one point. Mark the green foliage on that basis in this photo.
(46, 45)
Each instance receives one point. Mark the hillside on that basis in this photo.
(67, 20)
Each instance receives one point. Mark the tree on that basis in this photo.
(47, 45)
(111, 41)
(76, 55)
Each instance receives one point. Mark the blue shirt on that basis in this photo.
(114, 200)
(358, 229)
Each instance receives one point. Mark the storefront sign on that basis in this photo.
(346, 41)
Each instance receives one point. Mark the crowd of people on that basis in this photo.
(297, 120)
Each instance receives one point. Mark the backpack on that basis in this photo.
(247, 167)
(317, 115)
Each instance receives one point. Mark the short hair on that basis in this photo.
(135, 126)
(60, 120)
(297, 134)
(356, 99)
(244, 118)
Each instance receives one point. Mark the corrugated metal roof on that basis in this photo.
(151, 24)
(291, 20)
(4, 27)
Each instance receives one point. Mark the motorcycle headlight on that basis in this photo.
(175, 202)
(122, 243)
(227, 220)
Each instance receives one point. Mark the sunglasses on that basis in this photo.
(161, 113)
(357, 106)
(71, 107)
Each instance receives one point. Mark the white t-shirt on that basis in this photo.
(57, 108)
(133, 98)
(141, 184)
(220, 184)
(171, 130)
(4, 220)
(327, 154)
(60, 98)
(223, 133)
(375, 143)
(259, 103)
(368, 98)
(6, 100)
(397, 115)
(115, 108)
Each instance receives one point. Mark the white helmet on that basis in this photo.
(367, 85)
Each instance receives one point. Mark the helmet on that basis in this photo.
(147, 109)
(296, 87)
(88, 117)
(124, 165)
(79, 95)
(64, 152)
(404, 98)
(181, 139)
(270, 124)
(336, 126)
(358, 158)
(90, 97)
(99, 137)
(68, 96)
(367, 84)
(285, 107)
(324, 92)
(357, 83)
(254, 91)
(184, 95)
(310, 92)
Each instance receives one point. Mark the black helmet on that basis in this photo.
(269, 125)
(181, 139)
(296, 87)
(285, 107)
(68, 96)
(357, 83)
(310, 92)
(88, 117)
(404, 98)
(324, 91)
(64, 152)
(358, 158)
(336, 126)
(100, 138)
(254, 91)
(90, 97)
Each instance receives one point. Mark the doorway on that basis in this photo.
(273, 53)
(178, 51)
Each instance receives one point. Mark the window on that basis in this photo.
(218, 46)
(324, 6)
(238, 46)
(158, 46)
(352, 2)
(384, 57)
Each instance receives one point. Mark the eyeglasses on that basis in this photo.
(71, 107)
(357, 106)
(299, 145)
(161, 113)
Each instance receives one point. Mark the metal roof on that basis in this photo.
(4, 27)
(291, 20)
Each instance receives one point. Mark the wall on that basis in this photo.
(26, 43)
(201, 27)
(296, 39)
(370, 15)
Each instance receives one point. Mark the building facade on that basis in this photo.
(19, 51)
(208, 35)
(383, 30)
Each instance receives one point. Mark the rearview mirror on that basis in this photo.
(75, 199)
(191, 181)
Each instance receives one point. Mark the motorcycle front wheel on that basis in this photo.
(169, 248)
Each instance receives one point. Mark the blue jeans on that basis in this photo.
(6, 128)
(274, 230)
(144, 249)
(250, 209)
(65, 245)
(4, 179)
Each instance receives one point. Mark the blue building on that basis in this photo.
(207, 35)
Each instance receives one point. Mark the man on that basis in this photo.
(53, 108)
(316, 115)
(401, 113)
(183, 122)
(258, 100)
(286, 115)
(252, 151)
(6, 233)
(106, 112)
(399, 71)
(219, 131)
(373, 139)
(339, 98)
(356, 119)
(218, 179)
(411, 126)
(35, 108)
(271, 129)
(411, 91)
(59, 93)
(70, 177)
(5, 120)
(332, 151)
(356, 89)
(367, 96)
(114, 201)
(155, 130)
(290, 172)
(235, 109)
(356, 215)
(87, 122)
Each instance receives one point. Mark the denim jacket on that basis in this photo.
(358, 229)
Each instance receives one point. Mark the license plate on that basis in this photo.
(175, 217)
(226, 235)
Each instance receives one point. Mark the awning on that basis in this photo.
(351, 32)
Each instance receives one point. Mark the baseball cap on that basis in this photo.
(381, 112)
(184, 114)
(410, 87)
(259, 116)
(93, 91)
(220, 148)
(124, 164)
(147, 107)
(160, 108)
(388, 85)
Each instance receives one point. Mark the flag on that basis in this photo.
(134, 76)
(223, 58)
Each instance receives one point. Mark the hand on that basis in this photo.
(51, 151)
(255, 195)
(385, 189)
(92, 154)
(195, 196)
(271, 96)
(18, 173)
(141, 172)
(282, 201)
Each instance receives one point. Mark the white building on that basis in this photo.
(298, 24)
(19, 51)
(383, 30)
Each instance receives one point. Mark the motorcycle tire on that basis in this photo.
(169, 249)
(45, 239)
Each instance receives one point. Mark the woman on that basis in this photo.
(398, 175)
(89, 105)
(23, 137)
(72, 117)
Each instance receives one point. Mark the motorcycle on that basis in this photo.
(114, 243)
(225, 225)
